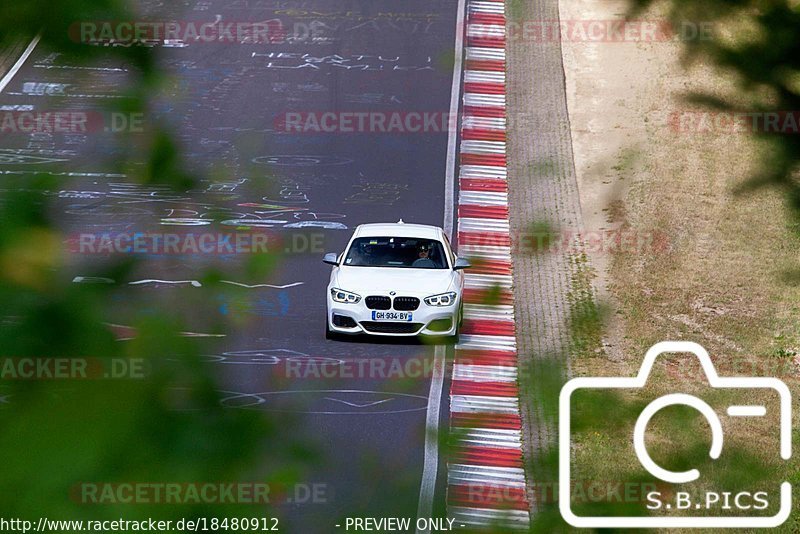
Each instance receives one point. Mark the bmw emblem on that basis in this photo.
(393, 293)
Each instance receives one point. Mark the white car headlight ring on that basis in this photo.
(345, 297)
(442, 299)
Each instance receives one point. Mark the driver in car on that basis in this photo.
(423, 260)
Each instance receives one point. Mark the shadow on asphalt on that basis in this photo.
(390, 340)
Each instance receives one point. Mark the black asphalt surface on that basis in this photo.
(224, 101)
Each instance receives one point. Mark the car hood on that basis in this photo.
(385, 279)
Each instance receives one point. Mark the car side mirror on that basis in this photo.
(331, 259)
(461, 263)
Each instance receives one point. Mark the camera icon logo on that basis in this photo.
(673, 477)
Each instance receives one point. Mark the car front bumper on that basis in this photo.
(426, 320)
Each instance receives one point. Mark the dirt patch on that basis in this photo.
(717, 263)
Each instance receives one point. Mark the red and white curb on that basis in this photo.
(485, 475)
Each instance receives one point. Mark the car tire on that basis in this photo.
(453, 340)
(329, 334)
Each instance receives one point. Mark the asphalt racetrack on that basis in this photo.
(228, 104)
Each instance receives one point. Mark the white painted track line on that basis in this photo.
(452, 135)
(431, 459)
(18, 65)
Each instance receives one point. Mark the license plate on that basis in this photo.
(391, 316)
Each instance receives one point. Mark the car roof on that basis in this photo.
(398, 230)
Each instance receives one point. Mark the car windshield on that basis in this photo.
(409, 252)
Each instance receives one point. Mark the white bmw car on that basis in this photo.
(395, 279)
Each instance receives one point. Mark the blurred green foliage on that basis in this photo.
(169, 427)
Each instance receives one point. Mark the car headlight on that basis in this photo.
(340, 295)
(443, 299)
